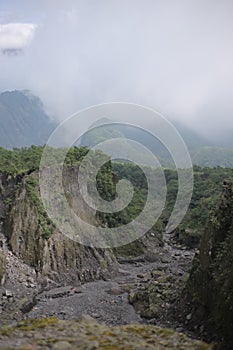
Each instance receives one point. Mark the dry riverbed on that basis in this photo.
(119, 300)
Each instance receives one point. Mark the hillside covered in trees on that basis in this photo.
(39, 244)
(23, 121)
(207, 187)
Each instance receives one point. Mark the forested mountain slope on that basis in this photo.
(23, 121)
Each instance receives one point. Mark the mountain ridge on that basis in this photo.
(23, 120)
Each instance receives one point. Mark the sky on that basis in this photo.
(175, 56)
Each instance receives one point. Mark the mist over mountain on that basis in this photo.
(203, 151)
(23, 121)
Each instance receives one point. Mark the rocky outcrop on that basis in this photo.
(156, 293)
(55, 334)
(34, 239)
(208, 294)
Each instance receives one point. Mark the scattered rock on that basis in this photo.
(179, 329)
(165, 259)
(157, 273)
(115, 291)
(62, 292)
(28, 305)
(7, 293)
(94, 315)
(123, 272)
(62, 345)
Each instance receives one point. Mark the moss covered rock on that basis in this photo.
(52, 333)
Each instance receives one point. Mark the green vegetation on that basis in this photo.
(43, 219)
(212, 269)
(210, 285)
(206, 193)
(24, 122)
(20, 160)
(207, 187)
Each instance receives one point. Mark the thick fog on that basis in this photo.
(172, 55)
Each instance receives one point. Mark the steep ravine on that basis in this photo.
(97, 303)
(108, 301)
(47, 274)
(31, 294)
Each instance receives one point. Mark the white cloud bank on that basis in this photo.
(16, 36)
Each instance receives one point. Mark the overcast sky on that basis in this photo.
(173, 55)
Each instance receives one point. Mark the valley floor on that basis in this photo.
(106, 301)
(120, 300)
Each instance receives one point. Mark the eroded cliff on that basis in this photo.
(209, 290)
(33, 237)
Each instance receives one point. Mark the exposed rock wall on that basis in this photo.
(8, 185)
(54, 255)
(209, 290)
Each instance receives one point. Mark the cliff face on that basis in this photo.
(7, 186)
(34, 239)
(209, 289)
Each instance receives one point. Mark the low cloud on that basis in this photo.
(14, 37)
(174, 56)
